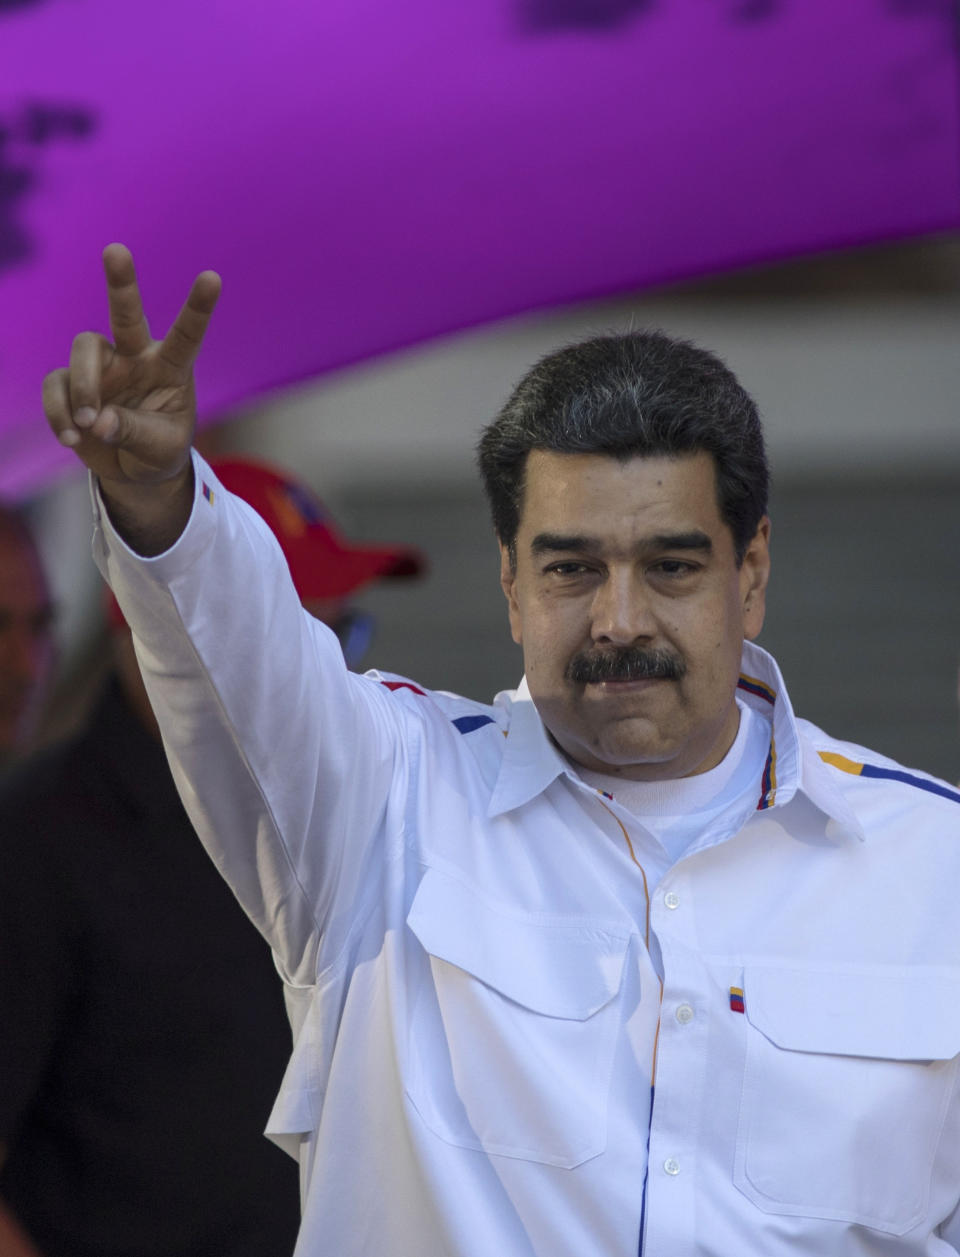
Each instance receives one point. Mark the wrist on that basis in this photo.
(151, 516)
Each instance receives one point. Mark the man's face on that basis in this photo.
(26, 639)
(631, 610)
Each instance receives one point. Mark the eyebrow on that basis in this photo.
(579, 543)
(550, 542)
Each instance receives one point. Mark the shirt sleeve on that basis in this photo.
(285, 761)
(950, 1231)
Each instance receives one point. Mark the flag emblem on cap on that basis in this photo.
(295, 510)
(736, 999)
(305, 503)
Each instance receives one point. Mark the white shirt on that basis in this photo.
(466, 943)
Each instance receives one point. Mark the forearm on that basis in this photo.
(150, 517)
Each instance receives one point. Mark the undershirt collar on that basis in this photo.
(678, 810)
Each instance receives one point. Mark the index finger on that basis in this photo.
(131, 335)
(182, 343)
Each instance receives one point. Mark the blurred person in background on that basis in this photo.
(26, 634)
(142, 1026)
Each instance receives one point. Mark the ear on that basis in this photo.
(754, 576)
(508, 583)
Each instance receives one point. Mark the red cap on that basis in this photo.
(322, 563)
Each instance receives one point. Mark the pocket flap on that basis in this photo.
(561, 967)
(908, 1013)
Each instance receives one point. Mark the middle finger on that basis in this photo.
(128, 323)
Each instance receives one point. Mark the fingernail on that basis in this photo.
(69, 437)
(85, 416)
(109, 427)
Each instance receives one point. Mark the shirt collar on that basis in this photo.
(792, 764)
(531, 762)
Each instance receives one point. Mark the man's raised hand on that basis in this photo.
(128, 408)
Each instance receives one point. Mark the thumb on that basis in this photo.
(150, 445)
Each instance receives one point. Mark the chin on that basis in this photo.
(619, 755)
(634, 741)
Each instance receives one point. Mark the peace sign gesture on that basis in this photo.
(128, 409)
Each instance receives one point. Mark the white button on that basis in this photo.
(684, 1014)
(672, 899)
(671, 1166)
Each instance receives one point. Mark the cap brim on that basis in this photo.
(336, 573)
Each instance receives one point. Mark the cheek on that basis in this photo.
(546, 640)
(711, 647)
(43, 649)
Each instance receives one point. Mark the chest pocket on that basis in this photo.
(513, 1029)
(847, 1078)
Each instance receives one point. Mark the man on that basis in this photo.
(631, 959)
(26, 633)
(144, 1031)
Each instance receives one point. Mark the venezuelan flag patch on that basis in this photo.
(206, 491)
(736, 999)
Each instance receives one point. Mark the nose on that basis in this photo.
(622, 612)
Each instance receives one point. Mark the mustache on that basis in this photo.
(624, 663)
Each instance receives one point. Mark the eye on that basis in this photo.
(675, 568)
(568, 568)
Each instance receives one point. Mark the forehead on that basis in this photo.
(598, 494)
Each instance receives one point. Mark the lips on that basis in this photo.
(612, 691)
(640, 683)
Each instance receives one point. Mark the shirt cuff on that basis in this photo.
(112, 554)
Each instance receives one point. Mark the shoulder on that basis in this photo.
(463, 716)
(31, 784)
(451, 729)
(60, 794)
(42, 810)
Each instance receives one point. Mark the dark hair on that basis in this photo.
(636, 393)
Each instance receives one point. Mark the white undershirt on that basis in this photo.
(677, 811)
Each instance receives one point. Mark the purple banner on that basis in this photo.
(365, 175)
